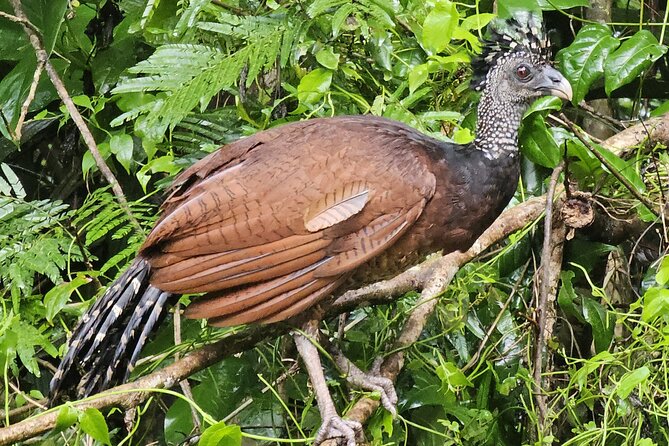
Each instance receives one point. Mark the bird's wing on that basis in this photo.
(273, 229)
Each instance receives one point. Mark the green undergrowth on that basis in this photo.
(161, 84)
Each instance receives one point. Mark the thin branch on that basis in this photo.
(29, 99)
(184, 384)
(551, 242)
(625, 182)
(43, 58)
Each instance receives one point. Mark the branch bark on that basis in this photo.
(551, 265)
(432, 277)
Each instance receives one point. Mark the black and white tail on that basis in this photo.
(106, 343)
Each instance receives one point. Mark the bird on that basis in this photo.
(273, 224)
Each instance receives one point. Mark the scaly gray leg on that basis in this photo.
(371, 381)
(333, 425)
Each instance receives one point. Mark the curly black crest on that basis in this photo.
(520, 35)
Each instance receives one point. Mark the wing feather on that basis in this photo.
(336, 206)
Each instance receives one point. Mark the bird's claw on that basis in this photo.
(348, 431)
(373, 381)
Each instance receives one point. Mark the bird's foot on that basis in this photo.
(347, 432)
(374, 381)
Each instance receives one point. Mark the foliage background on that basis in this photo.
(162, 83)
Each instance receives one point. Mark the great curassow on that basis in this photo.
(272, 224)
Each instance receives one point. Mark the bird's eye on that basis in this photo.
(523, 72)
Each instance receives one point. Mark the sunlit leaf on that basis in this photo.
(328, 58)
(439, 25)
(221, 434)
(93, 423)
(630, 380)
(313, 86)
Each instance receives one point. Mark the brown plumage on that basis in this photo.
(272, 224)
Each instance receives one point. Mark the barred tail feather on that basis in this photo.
(106, 343)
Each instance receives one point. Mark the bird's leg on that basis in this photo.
(333, 425)
(372, 380)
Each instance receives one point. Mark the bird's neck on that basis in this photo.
(498, 124)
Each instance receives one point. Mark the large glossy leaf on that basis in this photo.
(47, 15)
(635, 55)
(538, 144)
(582, 62)
(439, 25)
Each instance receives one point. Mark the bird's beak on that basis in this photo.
(556, 84)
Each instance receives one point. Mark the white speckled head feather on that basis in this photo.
(521, 34)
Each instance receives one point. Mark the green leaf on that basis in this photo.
(662, 276)
(67, 416)
(47, 15)
(220, 434)
(635, 55)
(452, 376)
(544, 103)
(314, 85)
(13, 181)
(625, 168)
(56, 298)
(417, 77)
(567, 298)
(93, 423)
(476, 21)
(122, 146)
(562, 4)
(630, 380)
(438, 26)
(655, 304)
(328, 58)
(538, 144)
(582, 62)
(600, 322)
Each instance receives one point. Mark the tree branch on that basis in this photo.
(551, 265)
(438, 273)
(43, 59)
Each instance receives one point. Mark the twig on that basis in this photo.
(29, 99)
(43, 58)
(625, 182)
(608, 119)
(184, 384)
(440, 270)
(548, 258)
(32, 401)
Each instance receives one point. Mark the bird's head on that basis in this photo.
(514, 66)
